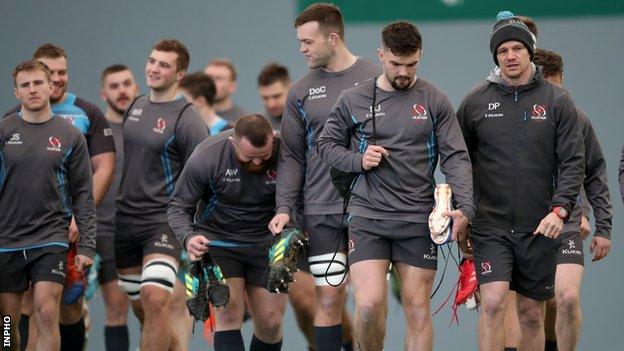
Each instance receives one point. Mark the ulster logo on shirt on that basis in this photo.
(272, 176)
(54, 144)
(419, 113)
(160, 126)
(539, 113)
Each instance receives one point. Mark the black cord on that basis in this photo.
(443, 272)
(345, 202)
(457, 260)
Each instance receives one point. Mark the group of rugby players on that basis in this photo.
(182, 172)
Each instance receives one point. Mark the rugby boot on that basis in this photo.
(283, 258)
(440, 226)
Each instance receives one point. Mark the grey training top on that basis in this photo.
(414, 126)
(45, 177)
(300, 168)
(158, 139)
(234, 205)
(595, 182)
(106, 209)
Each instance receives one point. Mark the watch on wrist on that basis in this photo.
(560, 212)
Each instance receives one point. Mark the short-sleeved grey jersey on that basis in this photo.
(414, 126)
(45, 177)
(158, 139)
(234, 205)
(307, 108)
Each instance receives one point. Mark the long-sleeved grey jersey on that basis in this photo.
(158, 139)
(595, 183)
(216, 197)
(308, 105)
(45, 177)
(414, 126)
(88, 118)
(527, 151)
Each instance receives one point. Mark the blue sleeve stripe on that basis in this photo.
(220, 243)
(62, 179)
(432, 150)
(166, 163)
(37, 246)
(364, 139)
(210, 204)
(307, 125)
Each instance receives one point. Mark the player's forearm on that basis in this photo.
(103, 173)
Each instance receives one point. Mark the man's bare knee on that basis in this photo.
(48, 315)
(531, 318)
(417, 310)
(330, 299)
(369, 309)
(154, 300)
(493, 305)
(567, 302)
(270, 324)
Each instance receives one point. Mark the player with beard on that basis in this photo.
(118, 90)
(333, 68)
(394, 144)
(223, 72)
(222, 204)
(45, 177)
(91, 122)
(161, 130)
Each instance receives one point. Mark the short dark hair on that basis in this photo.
(530, 23)
(253, 127)
(50, 51)
(199, 84)
(401, 38)
(174, 45)
(118, 67)
(225, 63)
(271, 73)
(327, 15)
(551, 62)
(29, 66)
